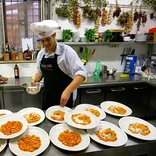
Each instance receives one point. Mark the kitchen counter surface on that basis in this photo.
(91, 81)
(135, 147)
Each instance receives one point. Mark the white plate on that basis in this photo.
(94, 120)
(125, 121)
(13, 117)
(32, 130)
(56, 108)
(3, 144)
(105, 105)
(121, 135)
(5, 111)
(57, 129)
(84, 106)
(30, 110)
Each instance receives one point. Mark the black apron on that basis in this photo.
(55, 82)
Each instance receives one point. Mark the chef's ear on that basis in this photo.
(54, 34)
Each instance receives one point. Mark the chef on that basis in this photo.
(59, 65)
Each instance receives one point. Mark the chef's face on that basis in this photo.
(49, 43)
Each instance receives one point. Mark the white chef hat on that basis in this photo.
(45, 28)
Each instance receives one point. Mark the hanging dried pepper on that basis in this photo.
(152, 16)
(139, 20)
(117, 11)
(136, 16)
(144, 18)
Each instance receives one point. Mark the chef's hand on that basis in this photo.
(33, 81)
(64, 98)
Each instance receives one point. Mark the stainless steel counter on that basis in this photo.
(91, 82)
(134, 147)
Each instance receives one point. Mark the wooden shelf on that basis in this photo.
(13, 62)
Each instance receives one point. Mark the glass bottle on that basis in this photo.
(16, 71)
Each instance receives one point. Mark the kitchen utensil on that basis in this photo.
(92, 53)
(123, 55)
(111, 71)
(32, 89)
(81, 52)
(133, 52)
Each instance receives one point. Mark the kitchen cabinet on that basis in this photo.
(135, 96)
(138, 99)
(1, 99)
(151, 109)
(117, 93)
(33, 100)
(14, 98)
(91, 95)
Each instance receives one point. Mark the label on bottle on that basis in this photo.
(16, 72)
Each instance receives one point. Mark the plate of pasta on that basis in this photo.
(33, 142)
(3, 144)
(95, 110)
(56, 113)
(138, 128)
(108, 134)
(69, 138)
(4, 112)
(12, 125)
(34, 116)
(81, 119)
(115, 108)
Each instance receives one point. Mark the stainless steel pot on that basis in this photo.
(32, 89)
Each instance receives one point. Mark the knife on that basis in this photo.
(123, 55)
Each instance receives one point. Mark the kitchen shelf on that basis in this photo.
(13, 62)
(104, 43)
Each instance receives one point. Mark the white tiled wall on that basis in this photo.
(108, 56)
(25, 69)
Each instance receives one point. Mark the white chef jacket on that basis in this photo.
(68, 61)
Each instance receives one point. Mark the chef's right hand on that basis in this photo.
(33, 80)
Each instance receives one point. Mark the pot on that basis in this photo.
(32, 89)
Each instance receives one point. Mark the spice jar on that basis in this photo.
(6, 57)
(20, 56)
(13, 56)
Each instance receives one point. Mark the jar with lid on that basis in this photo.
(20, 54)
(104, 71)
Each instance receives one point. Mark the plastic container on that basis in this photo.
(97, 69)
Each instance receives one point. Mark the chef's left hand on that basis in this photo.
(64, 98)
